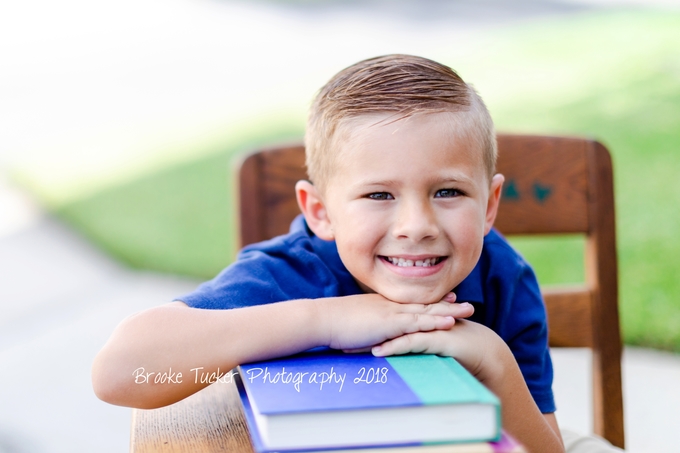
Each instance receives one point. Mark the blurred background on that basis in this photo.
(120, 122)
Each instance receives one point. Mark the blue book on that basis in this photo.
(330, 400)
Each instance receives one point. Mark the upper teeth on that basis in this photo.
(407, 263)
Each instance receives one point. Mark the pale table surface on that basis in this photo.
(209, 421)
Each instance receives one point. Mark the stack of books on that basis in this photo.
(327, 400)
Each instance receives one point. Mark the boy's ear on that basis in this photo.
(313, 208)
(494, 200)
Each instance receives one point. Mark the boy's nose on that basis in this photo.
(415, 221)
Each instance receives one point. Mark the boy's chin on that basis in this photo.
(407, 294)
(412, 295)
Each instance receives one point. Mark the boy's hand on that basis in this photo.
(470, 343)
(353, 323)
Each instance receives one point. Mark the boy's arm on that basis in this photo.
(158, 356)
(489, 358)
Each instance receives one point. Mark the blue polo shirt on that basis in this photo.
(502, 288)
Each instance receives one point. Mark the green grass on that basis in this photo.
(615, 77)
(179, 220)
(620, 83)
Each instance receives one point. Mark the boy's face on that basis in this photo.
(408, 205)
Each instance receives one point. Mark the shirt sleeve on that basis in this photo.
(519, 317)
(266, 272)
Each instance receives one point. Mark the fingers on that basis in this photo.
(443, 323)
(439, 316)
(464, 310)
(418, 342)
(450, 297)
(416, 322)
(443, 308)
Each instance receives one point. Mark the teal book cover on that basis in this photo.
(326, 399)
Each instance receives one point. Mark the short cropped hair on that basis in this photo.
(399, 85)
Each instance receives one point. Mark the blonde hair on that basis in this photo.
(402, 86)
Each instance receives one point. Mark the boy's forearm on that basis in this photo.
(174, 339)
(521, 417)
(164, 354)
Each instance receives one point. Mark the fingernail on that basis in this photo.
(376, 349)
(448, 317)
(465, 304)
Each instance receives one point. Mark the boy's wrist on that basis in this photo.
(319, 320)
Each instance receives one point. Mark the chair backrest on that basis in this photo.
(553, 185)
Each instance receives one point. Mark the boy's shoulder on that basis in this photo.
(299, 239)
(299, 251)
(498, 247)
(297, 265)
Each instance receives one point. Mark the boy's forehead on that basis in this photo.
(358, 137)
(452, 130)
(375, 124)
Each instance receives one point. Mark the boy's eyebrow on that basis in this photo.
(443, 179)
(377, 182)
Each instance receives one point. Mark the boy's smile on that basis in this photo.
(408, 204)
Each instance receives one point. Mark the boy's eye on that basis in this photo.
(380, 196)
(447, 193)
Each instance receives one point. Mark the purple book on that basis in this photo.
(325, 400)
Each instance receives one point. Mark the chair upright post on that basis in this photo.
(601, 276)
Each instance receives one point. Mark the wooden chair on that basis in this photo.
(553, 185)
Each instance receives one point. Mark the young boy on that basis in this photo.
(397, 225)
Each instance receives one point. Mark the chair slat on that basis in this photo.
(280, 171)
(266, 192)
(546, 185)
(570, 317)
